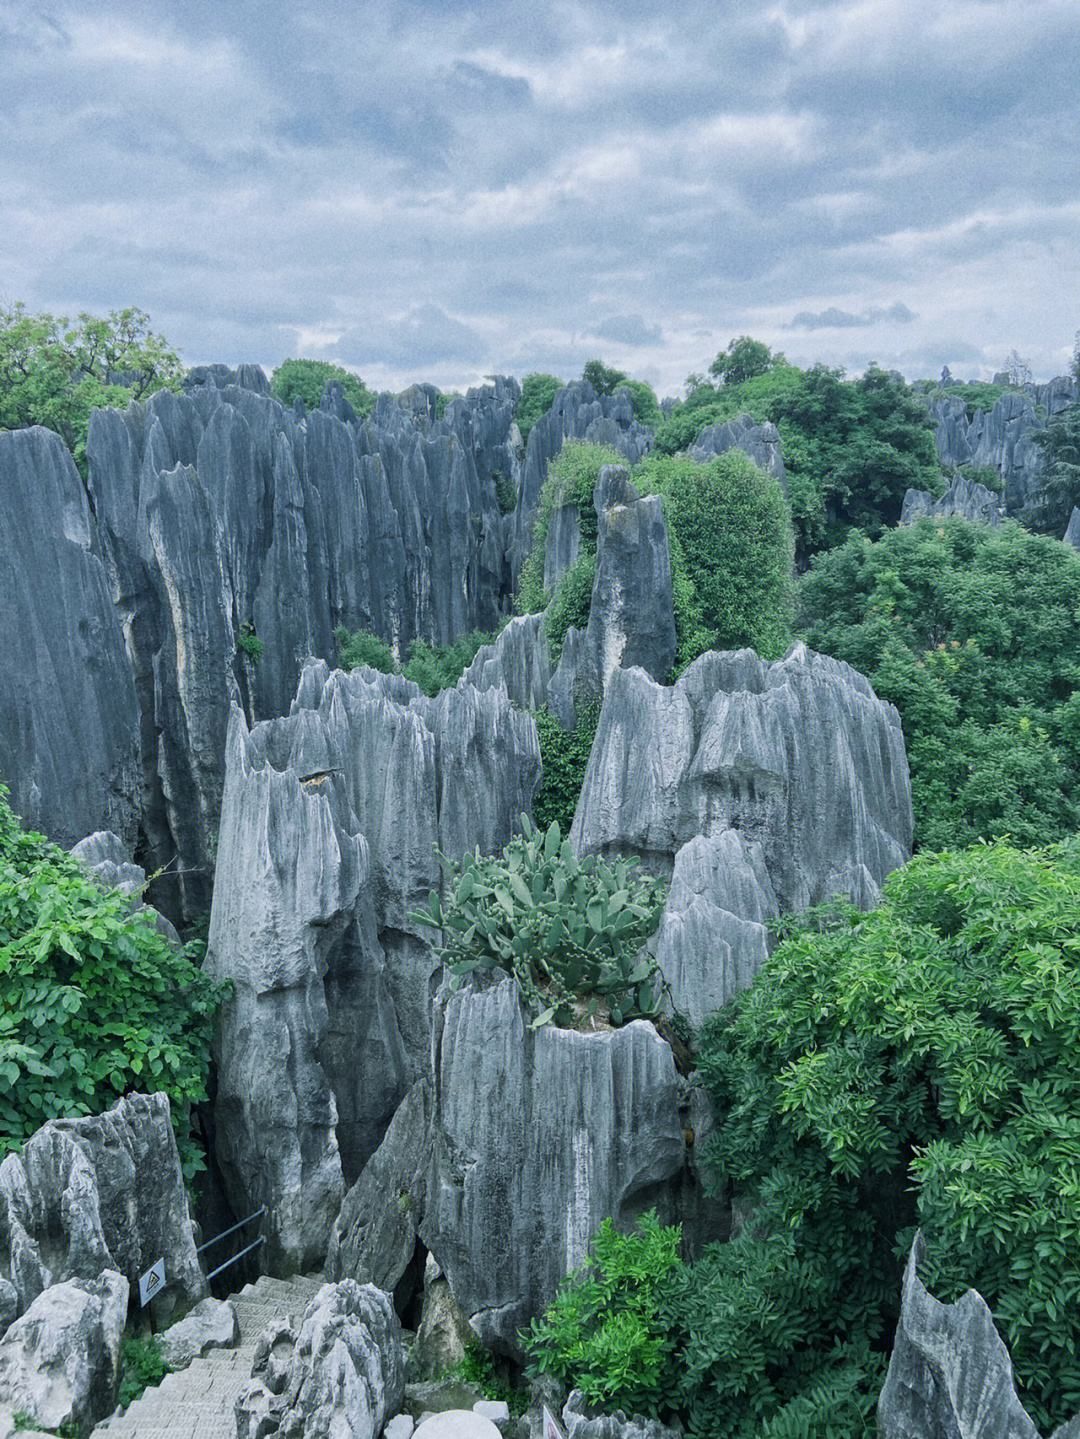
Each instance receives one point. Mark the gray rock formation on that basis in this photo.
(60, 1362)
(102, 1192)
(631, 616)
(760, 441)
(579, 1425)
(104, 855)
(1072, 532)
(212, 1324)
(950, 1373)
(329, 828)
(562, 545)
(964, 499)
(1003, 437)
(457, 1424)
(519, 662)
(69, 728)
(588, 1125)
(443, 1336)
(799, 756)
(345, 1376)
(714, 936)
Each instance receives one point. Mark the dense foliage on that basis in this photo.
(608, 381)
(729, 529)
(55, 372)
(564, 756)
(142, 1365)
(538, 393)
(913, 1066)
(1059, 483)
(305, 380)
(569, 930)
(974, 634)
(571, 479)
(851, 447)
(432, 667)
(744, 359)
(94, 1001)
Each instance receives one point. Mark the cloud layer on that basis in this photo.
(439, 190)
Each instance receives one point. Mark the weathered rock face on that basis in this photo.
(60, 1363)
(509, 1194)
(69, 729)
(761, 442)
(212, 1324)
(631, 616)
(1004, 436)
(609, 1426)
(106, 857)
(346, 1374)
(102, 1192)
(329, 828)
(799, 756)
(950, 1373)
(519, 661)
(1072, 531)
(964, 498)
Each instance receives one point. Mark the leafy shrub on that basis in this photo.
(976, 394)
(305, 380)
(564, 756)
(538, 393)
(567, 929)
(1059, 483)
(986, 475)
(974, 634)
(94, 1001)
(142, 1365)
(571, 602)
(571, 479)
(506, 494)
(248, 642)
(480, 1370)
(443, 400)
(360, 648)
(608, 1330)
(644, 401)
(438, 667)
(732, 552)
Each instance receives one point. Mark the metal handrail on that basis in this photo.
(232, 1229)
(255, 1243)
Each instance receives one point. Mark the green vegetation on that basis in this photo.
(538, 393)
(732, 553)
(142, 1365)
(913, 1066)
(986, 475)
(248, 642)
(506, 494)
(607, 381)
(443, 401)
(1059, 488)
(571, 601)
(744, 359)
(55, 372)
(851, 447)
(571, 479)
(94, 1001)
(480, 1370)
(564, 755)
(974, 634)
(569, 930)
(305, 380)
(976, 394)
(432, 667)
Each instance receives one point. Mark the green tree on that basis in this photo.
(643, 398)
(55, 372)
(1059, 483)
(538, 393)
(94, 1000)
(306, 380)
(604, 379)
(571, 479)
(744, 359)
(974, 634)
(732, 551)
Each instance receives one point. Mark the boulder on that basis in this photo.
(950, 1373)
(105, 856)
(444, 1335)
(457, 1424)
(101, 1192)
(579, 1424)
(964, 498)
(69, 724)
(212, 1324)
(760, 441)
(345, 1375)
(60, 1362)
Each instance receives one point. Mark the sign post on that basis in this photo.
(150, 1286)
(551, 1426)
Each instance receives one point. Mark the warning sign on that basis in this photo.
(551, 1426)
(151, 1283)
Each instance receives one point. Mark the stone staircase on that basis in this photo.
(197, 1402)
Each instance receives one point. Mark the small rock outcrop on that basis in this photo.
(760, 441)
(344, 1376)
(964, 498)
(1072, 530)
(69, 724)
(579, 1425)
(60, 1362)
(101, 1192)
(950, 1372)
(212, 1324)
(519, 662)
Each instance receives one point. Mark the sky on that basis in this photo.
(441, 191)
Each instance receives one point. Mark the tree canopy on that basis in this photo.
(538, 393)
(55, 372)
(744, 359)
(306, 380)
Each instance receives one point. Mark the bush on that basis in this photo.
(248, 642)
(571, 479)
(94, 1001)
(142, 1365)
(571, 602)
(569, 930)
(643, 399)
(732, 552)
(439, 667)
(362, 648)
(974, 634)
(537, 397)
(305, 380)
(564, 756)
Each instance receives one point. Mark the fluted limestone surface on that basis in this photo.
(964, 498)
(1003, 437)
(507, 1195)
(519, 661)
(760, 441)
(329, 827)
(69, 728)
(1072, 530)
(101, 1192)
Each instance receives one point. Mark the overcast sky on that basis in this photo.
(441, 190)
